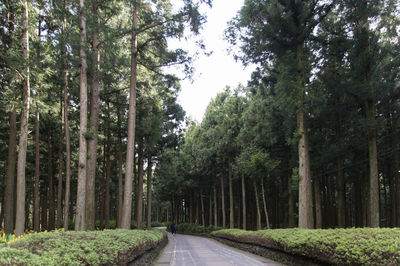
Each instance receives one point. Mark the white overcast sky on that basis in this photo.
(212, 73)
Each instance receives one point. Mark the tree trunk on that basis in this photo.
(139, 198)
(149, 175)
(60, 179)
(107, 183)
(66, 126)
(10, 186)
(81, 191)
(341, 194)
(50, 184)
(203, 220)
(231, 211)
(373, 169)
(215, 206)
(210, 210)
(291, 218)
(127, 204)
(191, 207)
(318, 207)
(305, 188)
(243, 201)
(265, 205)
(257, 205)
(120, 188)
(223, 201)
(36, 192)
(396, 175)
(93, 126)
(44, 220)
(23, 138)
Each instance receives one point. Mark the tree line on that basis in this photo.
(85, 92)
(313, 139)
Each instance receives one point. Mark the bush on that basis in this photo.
(80, 248)
(188, 228)
(373, 246)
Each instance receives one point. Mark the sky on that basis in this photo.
(212, 73)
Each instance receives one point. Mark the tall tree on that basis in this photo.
(23, 139)
(127, 203)
(93, 123)
(81, 191)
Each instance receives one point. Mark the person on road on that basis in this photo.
(173, 228)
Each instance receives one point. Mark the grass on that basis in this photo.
(356, 246)
(80, 248)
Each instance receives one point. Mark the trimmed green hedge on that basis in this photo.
(80, 248)
(187, 228)
(372, 246)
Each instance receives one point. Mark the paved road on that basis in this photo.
(194, 250)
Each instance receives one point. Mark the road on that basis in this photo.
(193, 250)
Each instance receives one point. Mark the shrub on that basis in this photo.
(80, 248)
(374, 246)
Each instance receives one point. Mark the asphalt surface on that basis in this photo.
(194, 250)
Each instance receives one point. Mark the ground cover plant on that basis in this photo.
(80, 248)
(372, 246)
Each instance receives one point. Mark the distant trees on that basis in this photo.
(326, 90)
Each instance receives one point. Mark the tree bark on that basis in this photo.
(203, 220)
(36, 192)
(215, 206)
(10, 180)
(394, 175)
(81, 191)
(231, 211)
(373, 169)
(50, 172)
(257, 205)
(107, 182)
(44, 220)
(223, 201)
(305, 188)
(210, 212)
(341, 194)
(120, 188)
(265, 205)
(66, 125)
(93, 126)
(318, 207)
(291, 218)
(244, 201)
(60, 179)
(139, 198)
(127, 204)
(149, 175)
(23, 139)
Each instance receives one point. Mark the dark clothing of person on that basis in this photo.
(173, 228)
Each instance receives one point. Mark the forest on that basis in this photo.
(92, 135)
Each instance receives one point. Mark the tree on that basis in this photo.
(287, 27)
(81, 191)
(23, 139)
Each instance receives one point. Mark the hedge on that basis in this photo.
(80, 248)
(372, 246)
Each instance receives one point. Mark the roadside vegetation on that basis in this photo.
(80, 248)
(355, 246)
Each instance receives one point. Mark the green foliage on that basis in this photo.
(356, 246)
(187, 228)
(78, 248)
(6, 240)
